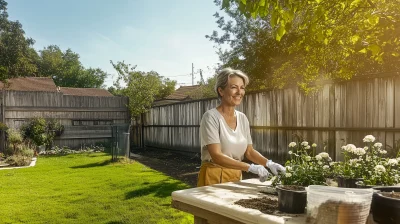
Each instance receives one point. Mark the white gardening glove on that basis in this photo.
(260, 171)
(275, 167)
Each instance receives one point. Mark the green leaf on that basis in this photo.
(243, 1)
(261, 3)
(373, 20)
(354, 38)
(355, 3)
(326, 41)
(363, 51)
(375, 49)
(225, 4)
(280, 32)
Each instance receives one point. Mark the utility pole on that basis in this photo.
(192, 75)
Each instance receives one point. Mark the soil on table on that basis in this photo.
(267, 205)
(392, 194)
(183, 167)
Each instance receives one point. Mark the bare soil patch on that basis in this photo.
(183, 167)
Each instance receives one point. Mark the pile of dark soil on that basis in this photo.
(267, 205)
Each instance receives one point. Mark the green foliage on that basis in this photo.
(41, 132)
(206, 90)
(66, 69)
(14, 138)
(16, 54)
(315, 40)
(3, 127)
(18, 160)
(142, 87)
(370, 163)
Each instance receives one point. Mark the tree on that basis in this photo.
(66, 69)
(328, 39)
(142, 88)
(16, 55)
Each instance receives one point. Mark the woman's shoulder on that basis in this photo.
(241, 115)
(211, 113)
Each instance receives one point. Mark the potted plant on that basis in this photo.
(304, 168)
(385, 204)
(365, 167)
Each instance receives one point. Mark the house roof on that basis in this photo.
(84, 91)
(182, 93)
(45, 84)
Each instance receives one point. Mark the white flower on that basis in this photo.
(368, 158)
(324, 154)
(359, 151)
(379, 169)
(288, 174)
(378, 145)
(325, 167)
(308, 158)
(382, 151)
(350, 148)
(273, 179)
(332, 163)
(292, 144)
(304, 143)
(307, 147)
(366, 148)
(369, 138)
(288, 168)
(398, 159)
(319, 163)
(314, 145)
(318, 157)
(290, 152)
(392, 162)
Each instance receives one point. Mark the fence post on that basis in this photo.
(3, 120)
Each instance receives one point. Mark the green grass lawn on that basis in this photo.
(88, 188)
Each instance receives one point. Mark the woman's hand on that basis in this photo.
(275, 167)
(260, 171)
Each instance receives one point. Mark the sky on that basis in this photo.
(165, 36)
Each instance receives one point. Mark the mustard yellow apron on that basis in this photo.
(211, 173)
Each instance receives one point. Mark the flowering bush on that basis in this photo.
(304, 167)
(368, 163)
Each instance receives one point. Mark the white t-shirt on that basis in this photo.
(214, 129)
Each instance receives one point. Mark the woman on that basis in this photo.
(225, 136)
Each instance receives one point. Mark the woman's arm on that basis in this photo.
(254, 156)
(221, 159)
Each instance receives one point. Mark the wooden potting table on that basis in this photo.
(215, 204)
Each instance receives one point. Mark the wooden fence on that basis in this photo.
(87, 119)
(338, 114)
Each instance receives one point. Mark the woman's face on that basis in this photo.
(233, 92)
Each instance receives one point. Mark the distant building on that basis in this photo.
(180, 95)
(46, 84)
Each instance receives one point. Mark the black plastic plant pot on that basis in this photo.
(291, 201)
(347, 183)
(385, 209)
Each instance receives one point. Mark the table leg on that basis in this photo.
(199, 220)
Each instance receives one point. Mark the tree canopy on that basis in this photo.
(18, 58)
(304, 41)
(142, 88)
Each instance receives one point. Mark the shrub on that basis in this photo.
(42, 132)
(14, 138)
(18, 160)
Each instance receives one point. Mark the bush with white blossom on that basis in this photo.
(304, 167)
(369, 163)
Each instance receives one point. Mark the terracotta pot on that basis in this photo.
(291, 201)
(347, 183)
(385, 209)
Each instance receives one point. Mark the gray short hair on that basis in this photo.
(224, 75)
